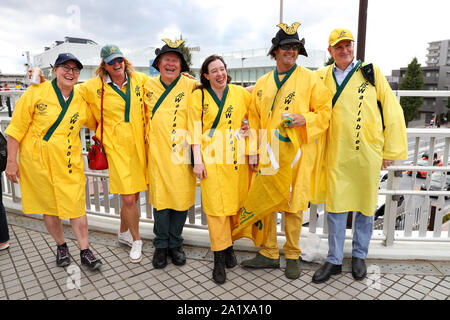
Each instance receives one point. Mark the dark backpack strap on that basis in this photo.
(369, 75)
(380, 107)
(367, 72)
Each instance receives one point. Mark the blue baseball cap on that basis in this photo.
(64, 57)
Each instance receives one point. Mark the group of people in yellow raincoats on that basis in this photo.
(296, 137)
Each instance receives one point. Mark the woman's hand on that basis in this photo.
(244, 130)
(12, 171)
(187, 75)
(200, 171)
(253, 162)
(12, 167)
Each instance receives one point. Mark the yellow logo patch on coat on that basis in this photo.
(42, 108)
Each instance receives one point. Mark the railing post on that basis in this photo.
(390, 209)
(312, 218)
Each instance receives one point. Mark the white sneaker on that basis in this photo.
(125, 238)
(4, 245)
(136, 251)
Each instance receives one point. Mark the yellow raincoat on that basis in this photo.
(123, 131)
(223, 149)
(357, 142)
(52, 178)
(270, 188)
(172, 182)
(302, 93)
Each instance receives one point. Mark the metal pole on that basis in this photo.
(242, 71)
(281, 11)
(362, 22)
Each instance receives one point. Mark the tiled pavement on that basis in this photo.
(28, 272)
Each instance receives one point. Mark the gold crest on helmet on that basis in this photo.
(289, 30)
(172, 44)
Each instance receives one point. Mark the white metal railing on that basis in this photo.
(420, 210)
(422, 219)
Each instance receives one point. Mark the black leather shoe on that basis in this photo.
(160, 258)
(219, 273)
(326, 271)
(178, 256)
(359, 269)
(230, 257)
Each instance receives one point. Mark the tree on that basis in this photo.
(329, 62)
(413, 80)
(187, 55)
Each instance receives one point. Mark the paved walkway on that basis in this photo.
(28, 272)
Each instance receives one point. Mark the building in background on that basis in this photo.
(436, 75)
(88, 52)
(438, 53)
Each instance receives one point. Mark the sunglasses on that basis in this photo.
(288, 46)
(67, 69)
(111, 63)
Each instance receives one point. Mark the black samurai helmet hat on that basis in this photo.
(171, 47)
(288, 35)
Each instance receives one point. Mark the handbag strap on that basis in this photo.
(101, 116)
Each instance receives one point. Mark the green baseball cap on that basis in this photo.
(109, 52)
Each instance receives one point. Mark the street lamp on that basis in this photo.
(281, 11)
(242, 70)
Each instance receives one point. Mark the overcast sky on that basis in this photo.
(397, 30)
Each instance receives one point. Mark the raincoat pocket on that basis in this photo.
(373, 134)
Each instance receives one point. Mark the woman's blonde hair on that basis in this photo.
(101, 71)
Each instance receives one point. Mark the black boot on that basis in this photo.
(230, 257)
(359, 269)
(219, 274)
(160, 258)
(178, 256)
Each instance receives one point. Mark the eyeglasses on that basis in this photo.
(67, 69)
(288, 46)
(111, 63)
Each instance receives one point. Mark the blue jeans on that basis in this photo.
(362, 233)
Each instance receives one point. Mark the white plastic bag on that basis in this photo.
(314, 249)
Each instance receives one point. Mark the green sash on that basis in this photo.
(340, 88)
(279, 84)
(126, 97)
(165, 93)
(220, 104)
(64, 106)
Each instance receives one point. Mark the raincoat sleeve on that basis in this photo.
(246, 102)
(395, 140)
(144, 78)
(195, 118)
(90, 122)
(147, 108)
(22, 115)
(247, 99)
(254, 120)
(83, 89)
(318, 118)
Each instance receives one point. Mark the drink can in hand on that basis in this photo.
(35, 76)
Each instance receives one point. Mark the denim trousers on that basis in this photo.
(362, 233)
(168, 227)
